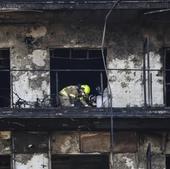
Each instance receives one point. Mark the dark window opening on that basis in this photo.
(5, 162)
(30, 142)
(4, 78)
(168, 162)
(76, 66)
(80, 162)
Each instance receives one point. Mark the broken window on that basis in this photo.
(4, 78)
(80, 162)
(73, 66)
(5, 162)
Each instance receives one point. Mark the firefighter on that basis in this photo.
(75, 95)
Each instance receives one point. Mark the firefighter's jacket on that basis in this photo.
(74, 93)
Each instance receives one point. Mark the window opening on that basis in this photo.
(4, 78)
(80, 162)
(167, 78)
(5, 161)
(76, 66)
(168, 162)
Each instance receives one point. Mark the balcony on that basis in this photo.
(143, 86)
(26, 106)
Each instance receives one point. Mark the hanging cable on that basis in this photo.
(106, 70)
(102, 48)
(157, 11)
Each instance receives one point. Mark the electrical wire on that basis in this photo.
(156, 11)
(106, 70)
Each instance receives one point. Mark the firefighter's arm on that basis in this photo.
(83, 101)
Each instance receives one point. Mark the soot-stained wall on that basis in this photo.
(30, 36)
(129, 150)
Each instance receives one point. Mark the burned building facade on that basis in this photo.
(47, 45)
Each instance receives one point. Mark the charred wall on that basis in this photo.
(129, 150)
(30, 36)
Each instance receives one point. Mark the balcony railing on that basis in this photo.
(147, 88)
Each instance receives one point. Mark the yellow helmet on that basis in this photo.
(86, 89)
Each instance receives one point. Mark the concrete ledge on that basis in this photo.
(18, 5)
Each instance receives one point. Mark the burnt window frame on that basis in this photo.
(7, 69)
(87, 155)
(75, 48)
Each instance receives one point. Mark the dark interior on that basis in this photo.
(76, 66)
(4, 78)
(168, 162)
(80, 162)
(5, 161)
(167, 66)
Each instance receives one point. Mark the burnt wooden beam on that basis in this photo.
(86, 119)
(18, 5)
(73, 112)
(76, 124)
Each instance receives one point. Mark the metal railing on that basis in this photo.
(146, 84)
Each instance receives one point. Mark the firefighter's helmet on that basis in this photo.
(86, 89)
